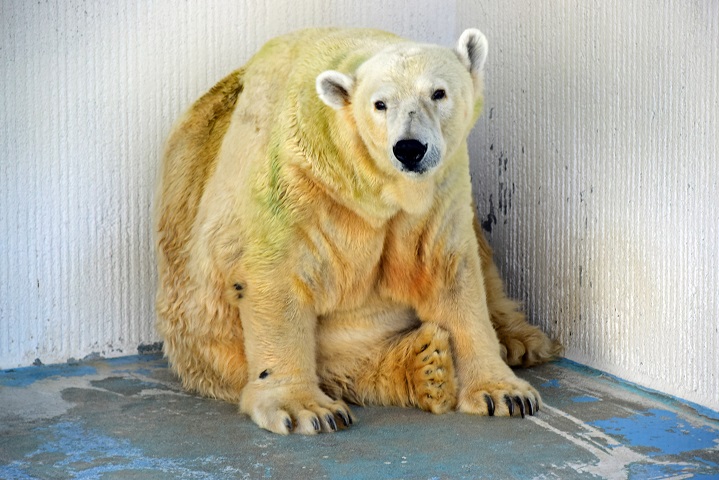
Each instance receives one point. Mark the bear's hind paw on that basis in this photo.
(435, 386)
(526, 345)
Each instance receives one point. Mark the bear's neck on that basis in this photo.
(338, 161)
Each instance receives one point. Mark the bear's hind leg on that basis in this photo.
(412, 368)
(521, 343)
(215, 371)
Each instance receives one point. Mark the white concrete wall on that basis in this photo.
(597, 154)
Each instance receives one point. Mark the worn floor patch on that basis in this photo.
(129, 418)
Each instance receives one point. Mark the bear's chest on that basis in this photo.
(338, 263)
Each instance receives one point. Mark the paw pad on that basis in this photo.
(434, 383)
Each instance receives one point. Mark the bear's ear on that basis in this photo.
(335, 88)
(472, 50)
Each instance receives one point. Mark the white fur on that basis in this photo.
(381, 258)
(472, 49)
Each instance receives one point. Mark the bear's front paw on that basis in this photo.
(507, 397)
(296, 408)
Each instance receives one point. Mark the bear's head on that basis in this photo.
(412, 104)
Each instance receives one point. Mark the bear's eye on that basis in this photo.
(438, 94)
(379, 105)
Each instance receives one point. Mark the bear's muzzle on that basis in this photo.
(410, 153)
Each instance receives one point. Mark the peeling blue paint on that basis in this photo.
(23, 377)
(135, 359)
(647, 393)
(584, 399)
(14, 471)
(661, 431)
(85, 454)
(134, 371)
(669, 470)
(707, 462)
(147, 429)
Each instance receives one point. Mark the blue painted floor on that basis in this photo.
(128, 418)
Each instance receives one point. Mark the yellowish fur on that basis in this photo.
(299, 265)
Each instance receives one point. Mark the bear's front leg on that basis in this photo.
(487, 386)
(282, 394)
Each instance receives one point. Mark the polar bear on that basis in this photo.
(317, 241)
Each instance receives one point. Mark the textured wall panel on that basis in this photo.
(88, 92)
(596, 167)
(595, 164)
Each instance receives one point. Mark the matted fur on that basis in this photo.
(299, 266)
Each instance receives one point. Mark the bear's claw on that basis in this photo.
(490, 405)
(510, 405)
(345, 418)
(504, 399)
(520, 402)
(530, 407)
(331, 422)
(294, 409)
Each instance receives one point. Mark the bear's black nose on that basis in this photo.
(409, 152)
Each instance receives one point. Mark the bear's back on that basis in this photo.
(284, 70)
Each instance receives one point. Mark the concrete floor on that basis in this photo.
(128, 418)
